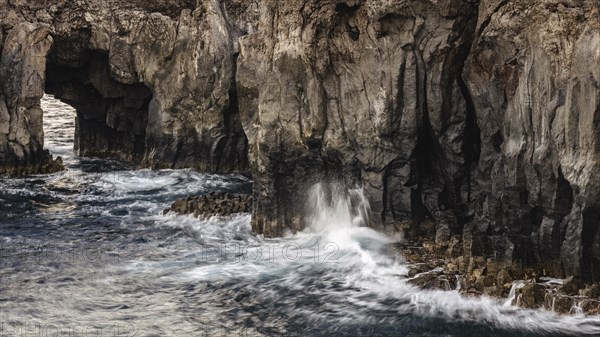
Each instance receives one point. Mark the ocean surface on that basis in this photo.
(88, 252)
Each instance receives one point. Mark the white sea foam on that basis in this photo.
(357, 258)
(339, 218)
(188, 270)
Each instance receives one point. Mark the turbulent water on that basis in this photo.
(88, 252)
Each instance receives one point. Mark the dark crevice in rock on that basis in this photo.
(423, 158)
(390, 24)
(344, 17)
(487, 20)
(472, 141)
(563, 201)
(497, 140)
(231, 151)
(70, 50)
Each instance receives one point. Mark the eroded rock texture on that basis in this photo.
(367, 90)
(534, 73)
(473, 124)
(22, 70)
(151, 81)
(213, 204)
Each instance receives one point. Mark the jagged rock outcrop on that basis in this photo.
(473, 125)
(526, 287)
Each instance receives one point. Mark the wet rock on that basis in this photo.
(481, 276)
(429, 246)
(485, 281)
(503, 278)
(493, 291)
(590, 307)
(212, 204)
(592, 291)
(571, 286)
(454, 247)
(433, 279)
(562, 304)
(532, 295)
(442, 236)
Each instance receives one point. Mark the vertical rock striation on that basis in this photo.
(370, 91)
(22, 70)
(534, 73)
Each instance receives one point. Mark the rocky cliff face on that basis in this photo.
(150, 81)
(22, 67)
(372, 94)
(473, 124)
(534, 74)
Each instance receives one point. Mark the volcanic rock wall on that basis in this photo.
(369, 91)
(151, 81)
(471, 123)
(534, 74)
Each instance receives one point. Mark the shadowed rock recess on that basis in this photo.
(472, 124)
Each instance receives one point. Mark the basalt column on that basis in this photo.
(369, 92)
(534, 74)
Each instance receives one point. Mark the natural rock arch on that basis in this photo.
(111, 116)
(153, 83)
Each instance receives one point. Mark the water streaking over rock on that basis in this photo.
(88, 250)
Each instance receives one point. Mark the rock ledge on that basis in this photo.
(212, 204)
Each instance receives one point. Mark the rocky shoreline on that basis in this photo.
(477, 276)
(442, 266)
(476, 122)
(47, 166)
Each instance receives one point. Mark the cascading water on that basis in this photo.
(576, 309)
(336, 207)
(88, 252)
(512, 295)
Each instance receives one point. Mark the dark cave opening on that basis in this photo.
(111, 116)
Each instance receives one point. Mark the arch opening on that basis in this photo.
(111, 117)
